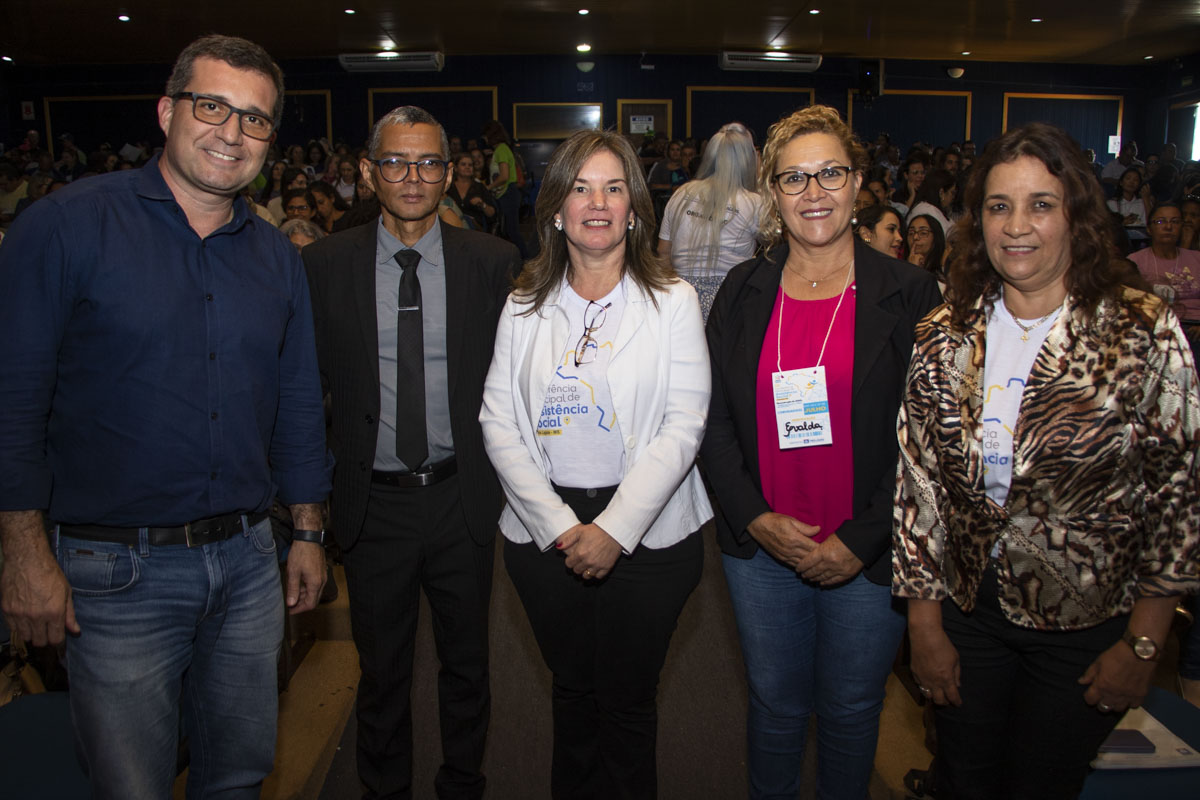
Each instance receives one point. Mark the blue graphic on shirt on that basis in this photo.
(566, 401)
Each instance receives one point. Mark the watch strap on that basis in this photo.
(301, 535)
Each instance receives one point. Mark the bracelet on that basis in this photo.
(301, 535)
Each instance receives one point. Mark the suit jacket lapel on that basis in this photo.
(873, 323)
(362, 279)
(762, 290)
(460, 313)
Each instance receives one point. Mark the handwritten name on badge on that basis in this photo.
(801, 407)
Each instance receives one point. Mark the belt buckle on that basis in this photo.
(187, 534)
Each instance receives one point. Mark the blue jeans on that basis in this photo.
(168, 626)
(811, 649)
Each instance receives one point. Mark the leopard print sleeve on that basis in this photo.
(1169, 419)
(919, 534)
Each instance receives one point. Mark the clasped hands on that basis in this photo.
(591, 553)
(789, 540)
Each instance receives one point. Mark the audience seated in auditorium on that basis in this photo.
(1131, 202)
(934, 198)
(301, 232)
(669, 173)
(471, 196)
(330, 205)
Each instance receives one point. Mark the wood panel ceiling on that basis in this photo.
(1080, 31)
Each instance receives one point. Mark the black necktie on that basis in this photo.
(412, 445)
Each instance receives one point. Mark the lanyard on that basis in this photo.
(779, 328)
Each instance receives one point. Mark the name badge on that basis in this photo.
(801, 407)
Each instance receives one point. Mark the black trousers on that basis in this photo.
(605, 641)
(1023, 731)
(416, 539)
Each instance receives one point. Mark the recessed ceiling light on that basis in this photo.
(389, 46)
(583, 12)
(123, 18)
(814, 11)
(583, 48)
(387, 54)
(6, 58)
(1149, 57)
(349, 10)
(966, 52)
(777, 46)
(1036, 19)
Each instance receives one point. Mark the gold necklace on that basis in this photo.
(814, 282)
(1027, 329)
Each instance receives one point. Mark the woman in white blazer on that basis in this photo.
(593, 412)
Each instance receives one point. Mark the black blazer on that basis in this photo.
(891, 297)
(341, 277)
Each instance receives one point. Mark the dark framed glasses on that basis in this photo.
(585, 348)
(212, 111)
(395, 170)
(795, 181)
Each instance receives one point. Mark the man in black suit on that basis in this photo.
(406, 314)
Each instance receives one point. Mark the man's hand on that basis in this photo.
(34, 594)
(305, 576)
(590, 551)
(786, 538)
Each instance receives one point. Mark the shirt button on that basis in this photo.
(630, 442)
(212, 475)
(214, 415)
(212, 356)
(362, 466)
(208, 297)
(370, 419)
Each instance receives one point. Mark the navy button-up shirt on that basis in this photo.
(148, 376)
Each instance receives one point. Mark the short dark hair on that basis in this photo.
(405, 115)
(236, 52)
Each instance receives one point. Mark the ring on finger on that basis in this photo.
(925, 691)
(587, 573)
(1103, 708)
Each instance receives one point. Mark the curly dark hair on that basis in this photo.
(1091, 276)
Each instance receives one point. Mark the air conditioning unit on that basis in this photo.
(431, 61)
(769, 62)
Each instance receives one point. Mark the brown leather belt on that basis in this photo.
(428, 476)
(193, 534)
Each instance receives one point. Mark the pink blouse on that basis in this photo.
(813, 484)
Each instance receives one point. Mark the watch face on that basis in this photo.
(1144, 648)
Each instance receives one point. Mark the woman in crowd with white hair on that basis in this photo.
(711, 222)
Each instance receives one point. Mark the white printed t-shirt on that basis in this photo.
(578, 426)
(1007, 363)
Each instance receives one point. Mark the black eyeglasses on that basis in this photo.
(585, 348)
(212, 111)
(395, 170)
(795, 181)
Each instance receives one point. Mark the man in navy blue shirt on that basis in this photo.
(159, 388)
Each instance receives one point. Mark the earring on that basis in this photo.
(778, 224)
(854, 222)
(867, 239)
(558, 223)
(632, 223)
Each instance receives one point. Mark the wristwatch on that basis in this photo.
(301, 535)
(1144, 647)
